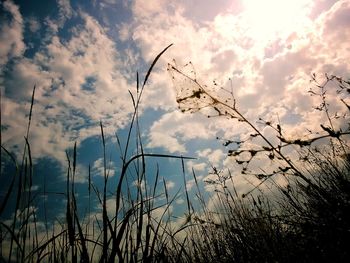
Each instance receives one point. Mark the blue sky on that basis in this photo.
(83, 57)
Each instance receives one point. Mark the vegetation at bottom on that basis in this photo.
(298, 212)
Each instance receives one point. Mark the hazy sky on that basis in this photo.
(83, 57)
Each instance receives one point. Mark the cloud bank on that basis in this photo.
(83, 74)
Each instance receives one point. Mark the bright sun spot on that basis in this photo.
(268, 18)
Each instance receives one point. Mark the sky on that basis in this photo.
(82, 57)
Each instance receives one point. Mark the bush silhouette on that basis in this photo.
(308, 221)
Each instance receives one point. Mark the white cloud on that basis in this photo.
(336, 29)
(169, 184)
(51, 26)
(60, 70)
(204, 45)
(124, 32)
(159, 212)
(11, 35)
(34, 24)
(139, 184)
(268, 77)
(191, 183)
(180, 201)
(159, 139)
(321, 6)
(149, 8)
(24, 76)
(196, 166)
(206, 10)
(65, 11)
(98, 168)
(174, 127)
(214, 156)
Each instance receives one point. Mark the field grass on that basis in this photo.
(306, 220)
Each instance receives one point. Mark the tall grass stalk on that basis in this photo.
(132, 234)
(305, 221)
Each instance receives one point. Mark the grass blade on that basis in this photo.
(153, 64)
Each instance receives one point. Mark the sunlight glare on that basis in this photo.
(268, 18)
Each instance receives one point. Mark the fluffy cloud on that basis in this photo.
(174, 127)
(268, 76)
(213, 156)
(170, 184)
(34, 24)
(98, 168)
(84, 77)
(196, 166)
(78, 80)
(11, 34)
(336, 26)
(65, 11)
